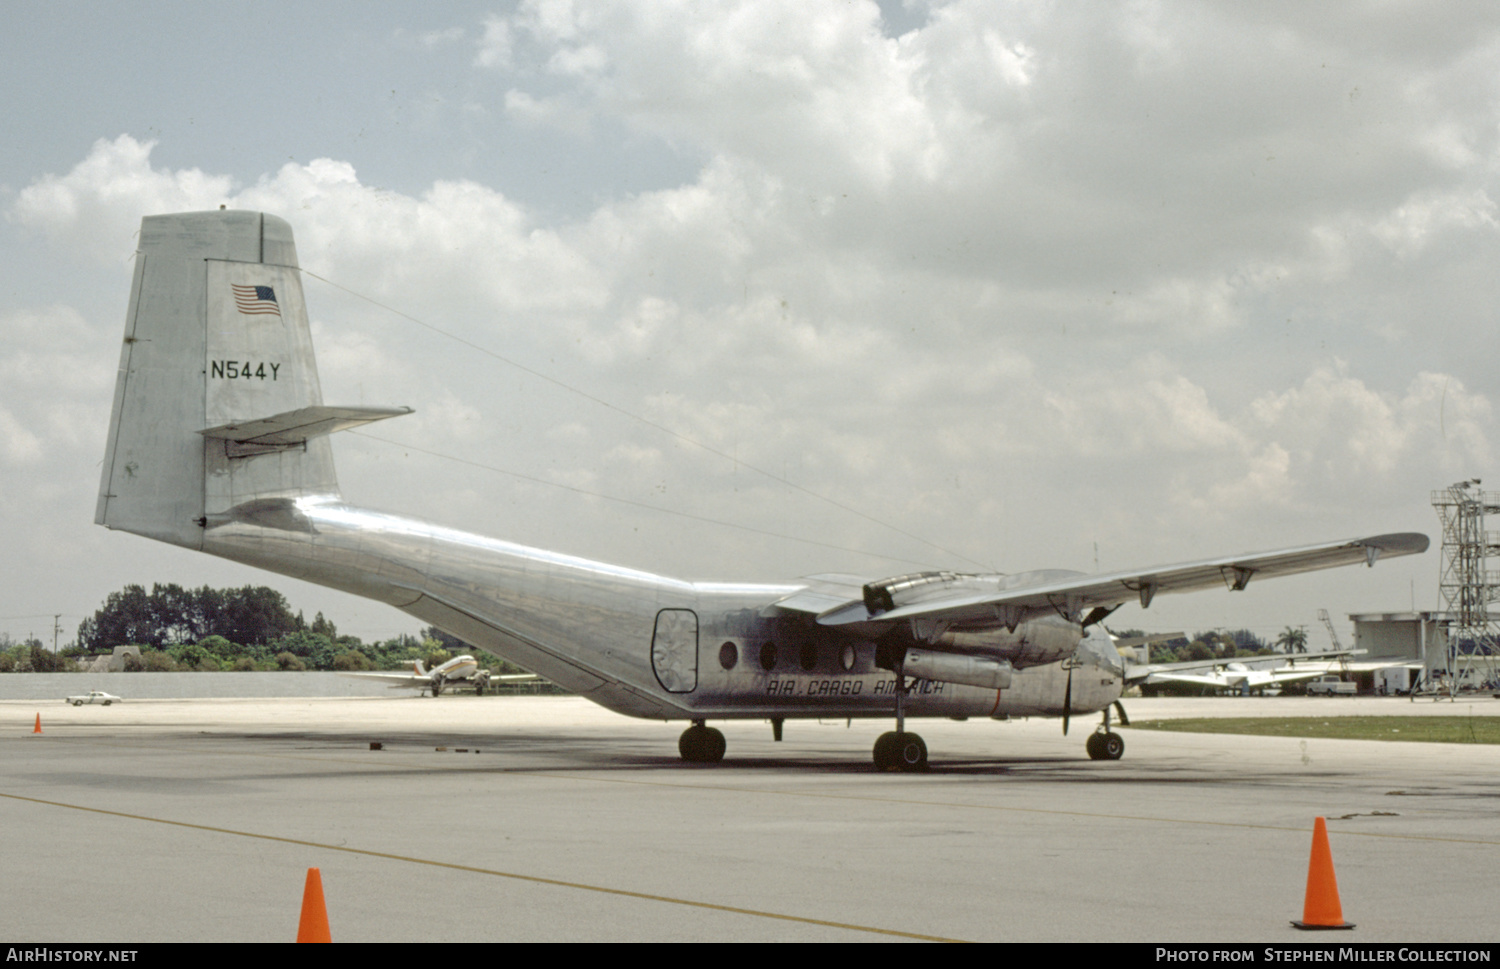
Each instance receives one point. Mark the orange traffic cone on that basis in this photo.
(38, 727)
(314, 924)
(1321, 910)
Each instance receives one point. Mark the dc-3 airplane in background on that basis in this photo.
(460, 671)
(219, 442)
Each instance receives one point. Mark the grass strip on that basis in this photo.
(1430, 730)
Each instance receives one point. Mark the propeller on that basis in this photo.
(1099, 614)
(1068, 699)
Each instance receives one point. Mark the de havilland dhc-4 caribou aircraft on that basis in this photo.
(219, 442)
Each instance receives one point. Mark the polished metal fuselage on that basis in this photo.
(638, 643)
(219, 443)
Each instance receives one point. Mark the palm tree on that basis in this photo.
(1292, 640)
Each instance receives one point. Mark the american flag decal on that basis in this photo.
(255, 300)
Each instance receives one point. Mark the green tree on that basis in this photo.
(1292, 640)
(192, 656)
(1198, 650)
(126, 617)
(157, 661)
(324, 627)
(352, 660)
(170, 614)
(314, 650)
(255, 614)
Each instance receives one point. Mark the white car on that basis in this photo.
(94, 696)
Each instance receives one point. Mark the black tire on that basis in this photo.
(714, 745)
(1113, 746)
(911, 752)
(1095, 746)
(690, 745)
(885, 750)
(701, 745)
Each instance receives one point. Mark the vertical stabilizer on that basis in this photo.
(216, 336)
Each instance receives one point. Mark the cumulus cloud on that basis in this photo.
(56, 373)
(1016, 276)
(96, 207)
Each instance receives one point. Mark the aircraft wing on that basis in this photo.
(1217, 682)
(396, 680)
(1074, 591)
(1135, 672)
(1255, 679)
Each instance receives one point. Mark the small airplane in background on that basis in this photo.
(460, 671)
(1242, 676)
(219, 442)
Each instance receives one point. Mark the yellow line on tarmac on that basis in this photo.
(534, 879)
(583, 775)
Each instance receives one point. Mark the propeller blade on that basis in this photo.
(1068, 701)
(1099, 614)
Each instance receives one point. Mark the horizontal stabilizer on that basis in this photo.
(295, 427)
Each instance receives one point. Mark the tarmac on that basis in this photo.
(549, 819)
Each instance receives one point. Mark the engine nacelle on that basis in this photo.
(982, 671)
(1039, 640)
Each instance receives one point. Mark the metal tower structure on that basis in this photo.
(1468, 585)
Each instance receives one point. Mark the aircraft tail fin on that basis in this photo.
(217, 402)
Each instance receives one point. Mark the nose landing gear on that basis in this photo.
(1105, 744)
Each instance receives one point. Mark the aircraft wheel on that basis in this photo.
(701, 745)
(900, 751)
(911, 752)
(1113, 746)
(716, 745)
(1095, 746)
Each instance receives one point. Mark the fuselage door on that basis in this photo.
(674, 650)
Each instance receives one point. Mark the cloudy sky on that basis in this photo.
(754, 290)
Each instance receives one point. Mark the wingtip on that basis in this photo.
(1398, 543)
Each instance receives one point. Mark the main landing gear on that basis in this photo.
(700, 744)
(1105, 744)
(897, 749)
